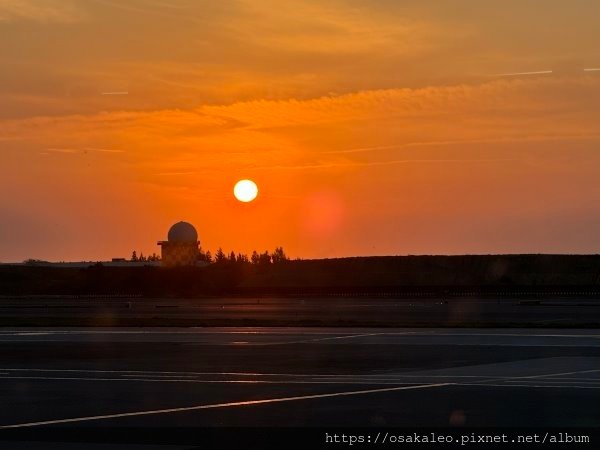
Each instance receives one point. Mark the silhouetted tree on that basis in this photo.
(220, 255)
(202, 256)
(142, 258)
(279, 256)
(264, 258)
(134, 256)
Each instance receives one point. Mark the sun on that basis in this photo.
(245, 190)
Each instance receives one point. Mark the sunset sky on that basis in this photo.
(371, 127)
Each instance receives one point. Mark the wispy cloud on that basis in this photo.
(175, 174)
(63, 150)
(44, 11)
(459, 142)
(82, 150)
(104, 150)
(295, 131)
(359, 164)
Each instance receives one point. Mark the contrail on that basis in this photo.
(541, 72)
(515, 74)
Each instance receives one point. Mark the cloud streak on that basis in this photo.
(499, 112)
(42, 11)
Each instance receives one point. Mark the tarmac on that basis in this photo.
(282, 377)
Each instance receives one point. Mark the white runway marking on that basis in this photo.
(32, 333)
(529, 377)
(152, 373)
(191, 380)
(577, 378)
(321, 376)
(328, 335)
(596, 336)
(221, 405)
(201, 332)
(329, 338)
(526, 385)
(560, 374)
(556, 381)
(160, 374)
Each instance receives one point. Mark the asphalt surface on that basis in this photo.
(253, 377)
(344, 311)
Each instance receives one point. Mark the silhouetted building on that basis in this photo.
(181, 246)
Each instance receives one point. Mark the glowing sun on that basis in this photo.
(245, 190)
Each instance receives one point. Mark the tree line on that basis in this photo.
(275, 257)
(142, 258)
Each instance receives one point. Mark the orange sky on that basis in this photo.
(370, 127)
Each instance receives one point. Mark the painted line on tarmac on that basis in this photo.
(241, 374)
(563, 373)
(554, 386)
(148, 373)
(193, 331)
(189, 380)
(331, 338)
(308, 341)
(315, 377)
(576, 379)
(593, 336)
(530, 377)
(298, 331)
(222, 405)
(556, 381)
(32, 333)
(185, 373)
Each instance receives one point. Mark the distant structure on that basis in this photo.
(181, 246)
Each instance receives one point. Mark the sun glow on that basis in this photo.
(245, 190)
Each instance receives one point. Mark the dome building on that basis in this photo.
(181, 246)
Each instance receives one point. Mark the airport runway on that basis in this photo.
(207, 377)
(46, 374)
(347, 311)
